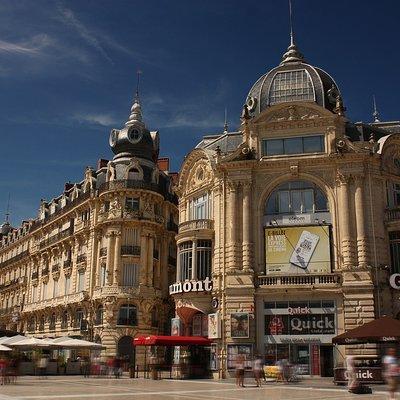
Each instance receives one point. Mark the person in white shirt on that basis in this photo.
(391, 372)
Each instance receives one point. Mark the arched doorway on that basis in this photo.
(126, 351)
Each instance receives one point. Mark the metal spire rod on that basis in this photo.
(7, 216)
(375, 114)
(291, 23)
(138, 83)
(226, 120)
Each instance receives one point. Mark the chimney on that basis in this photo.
(163, 164)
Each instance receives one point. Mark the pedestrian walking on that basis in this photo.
(391, 372)
(240, 370)
(257, 370)
(351, 373)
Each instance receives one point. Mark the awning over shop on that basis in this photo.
(154, 340)
(4, 348)
(382, 330)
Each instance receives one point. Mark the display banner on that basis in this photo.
(240, 325)
(214, 326)
(176, 327)
(308, 324)
(297, 250)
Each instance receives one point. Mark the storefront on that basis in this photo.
(301, 332)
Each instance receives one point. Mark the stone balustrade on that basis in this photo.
(331, 280)
(115, 291)
(54, 302)
(196, 224)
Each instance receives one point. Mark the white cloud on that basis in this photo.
(32, 46)
(68, 17)
(96, 119)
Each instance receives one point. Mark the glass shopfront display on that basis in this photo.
(300, 333)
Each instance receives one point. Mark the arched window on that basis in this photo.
(64, 320)
(99, 315)
(41, 323)
(52, 322)
(127, 315)
(296, 197)
(134, 174)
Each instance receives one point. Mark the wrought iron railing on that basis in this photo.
(130, 250)
(14, 259)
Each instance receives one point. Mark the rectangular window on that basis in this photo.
(130, 237)
(284, 201)
(103, 275)
(132, 203)
(44, 291)
(203, 259)
(394, 240)
(130, 275)
(81, 281)
(186, 259)
(34, 294)
(295, 145)
(67, 285)
(200, 207)
(55, 288)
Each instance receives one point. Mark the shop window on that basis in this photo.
(127, 315)
(186, 260)
(99, 316)
(203, 259)
(293, 145)
(296, 197)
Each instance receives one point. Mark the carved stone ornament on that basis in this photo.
(200, 175)
(342, 178)
(115, 207)
(293, 113)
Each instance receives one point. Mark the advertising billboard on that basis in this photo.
(297, 250)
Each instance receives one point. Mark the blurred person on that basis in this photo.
(391, 372)
(257, 370)
(3, 369)
(86, 367)
(239, 370)
(351, 373)
(42, 366)
(117, 367)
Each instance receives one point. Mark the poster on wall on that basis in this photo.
(240, 325)
(234, 350)
(196, 325)
(297, 250)
(214, 326)
(176, 327)
(213, 358)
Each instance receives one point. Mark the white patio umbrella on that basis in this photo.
(71, 343)
(32, 342)
(4, 348)
(7, 340)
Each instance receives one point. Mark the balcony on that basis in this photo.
(130, 250)
(14, 259)
(56, 301)
(81, 258)
(392, 214)
(106, 291)
(81, 225)
(56, 238)
(196, 224)
(306, 281)
(103, 252)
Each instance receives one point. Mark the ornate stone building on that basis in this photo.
(294, 218)
(97, 261)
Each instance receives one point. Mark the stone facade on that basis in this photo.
(236, 176)
(98, 260)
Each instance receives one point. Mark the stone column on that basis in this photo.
(347, 243)
(362, 248)
(232, 224)
(97, 260)
(110, 253)
(117, 257)
(247, 238)
(178, 265)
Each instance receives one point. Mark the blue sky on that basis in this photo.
(68, 74)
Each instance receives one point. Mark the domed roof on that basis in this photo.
(294, 80)
(134, 139)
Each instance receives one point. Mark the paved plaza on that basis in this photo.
(122, 389)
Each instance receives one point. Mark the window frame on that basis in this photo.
(284, 140)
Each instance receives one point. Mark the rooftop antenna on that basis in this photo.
(375, 114)
(138, 73)
(226, 121)
(7, 219)
(291, 23)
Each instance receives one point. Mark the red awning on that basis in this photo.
(154, 340)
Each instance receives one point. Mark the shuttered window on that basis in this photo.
(130, 275)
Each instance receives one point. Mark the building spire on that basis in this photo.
(375, 114)
(136, 109)
(226, 121)
(292, 54)
(7, 215)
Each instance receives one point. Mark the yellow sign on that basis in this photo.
(297, 250)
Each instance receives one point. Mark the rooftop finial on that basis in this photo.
(7, 216)
(137, 84)
(292, 54)
(226, 121)
(375, 114)
(291, 23)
